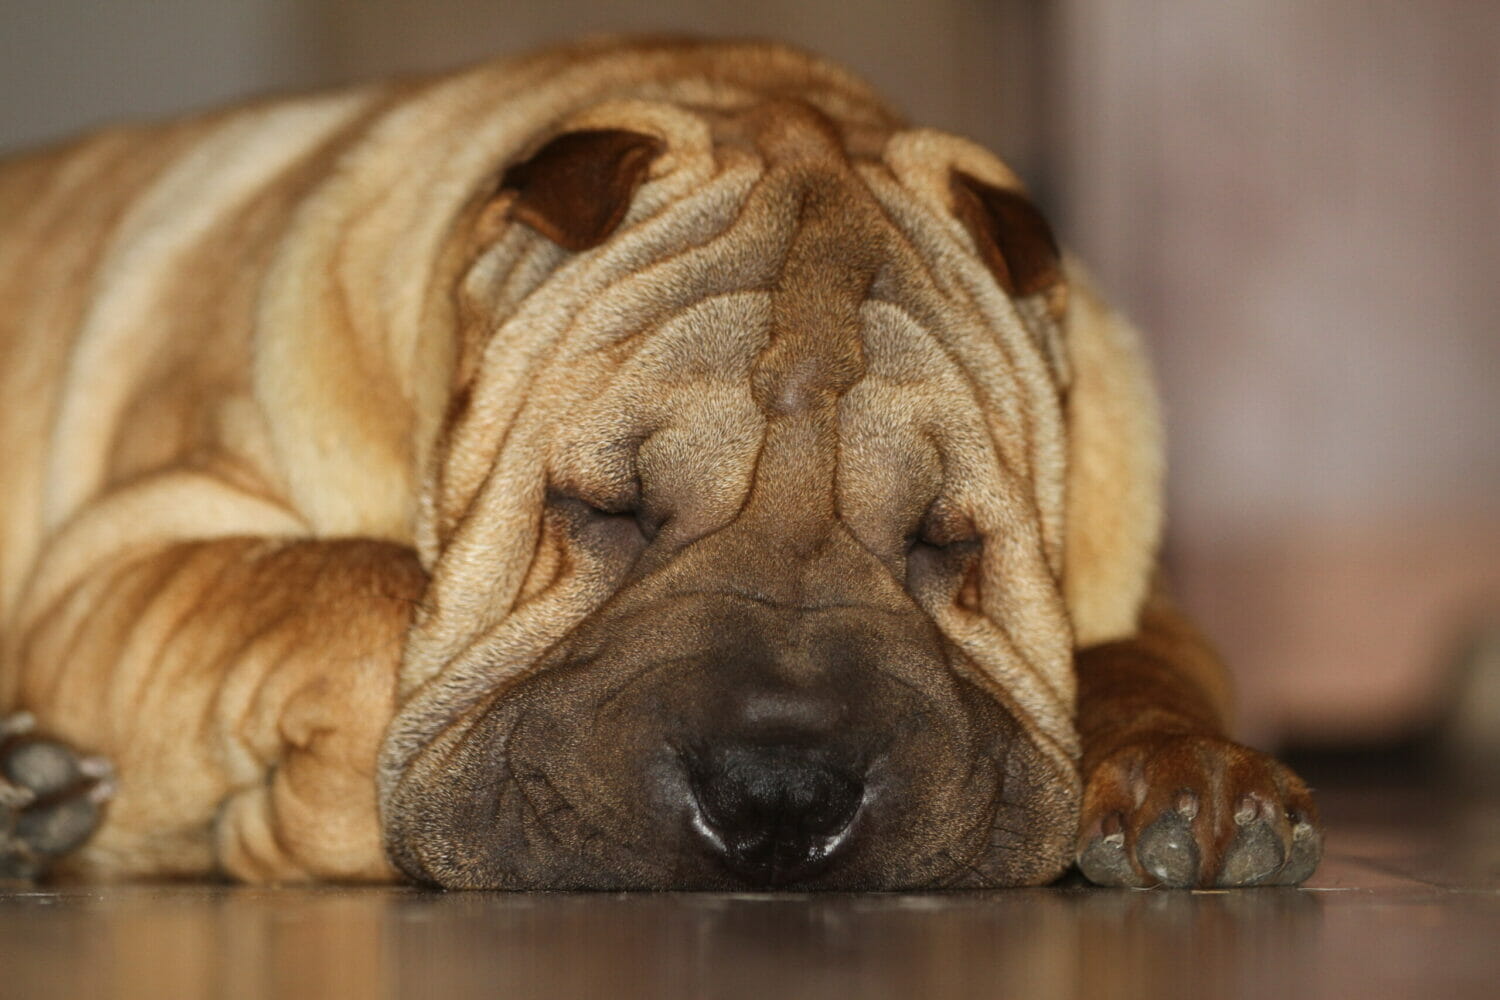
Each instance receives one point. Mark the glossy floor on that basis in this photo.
(1407, 904)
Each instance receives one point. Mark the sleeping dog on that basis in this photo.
(637, 465)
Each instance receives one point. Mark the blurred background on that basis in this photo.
(1298, 200)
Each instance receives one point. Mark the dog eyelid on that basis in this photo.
(613, 508)
(598, 503)
(942, 527)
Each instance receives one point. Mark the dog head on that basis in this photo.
(746, 522)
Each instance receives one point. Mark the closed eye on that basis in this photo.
(944, 528)
(616, 522)
(940, 550)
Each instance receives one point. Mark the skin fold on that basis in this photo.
(636, 465)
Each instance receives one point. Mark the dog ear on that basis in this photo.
(1013, 238)
(577, 188)
(1115, 469)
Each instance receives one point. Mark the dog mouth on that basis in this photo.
(575, 780)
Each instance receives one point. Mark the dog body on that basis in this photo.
(633, 466)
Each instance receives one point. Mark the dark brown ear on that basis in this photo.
(577, 188)
(1013, 238)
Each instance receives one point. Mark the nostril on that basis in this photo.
(774, 814)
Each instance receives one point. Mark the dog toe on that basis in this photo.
(1103, 859)
(1168, 848)
(52, 799)
(1196, 812)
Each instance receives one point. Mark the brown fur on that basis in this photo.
(349, 426)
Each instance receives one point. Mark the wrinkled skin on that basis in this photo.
(638, 465)
(762, 698)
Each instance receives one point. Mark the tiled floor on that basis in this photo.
(1407, 904)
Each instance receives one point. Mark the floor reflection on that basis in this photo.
(183, 942)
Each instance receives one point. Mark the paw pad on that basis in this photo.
(1168, 850)
(51, 798)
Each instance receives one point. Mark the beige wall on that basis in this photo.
(1300, 201)
(959, 64)
(69, 64)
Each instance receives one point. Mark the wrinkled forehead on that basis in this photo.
(789, 266)
(811, 280)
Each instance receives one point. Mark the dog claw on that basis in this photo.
(98, 768)
(1249, 808)
(16, 724)
(13, 798)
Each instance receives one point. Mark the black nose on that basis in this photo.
(774, 814)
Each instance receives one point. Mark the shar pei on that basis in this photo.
(638, 465)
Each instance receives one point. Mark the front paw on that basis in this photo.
(1196, 811)
(51, 798)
